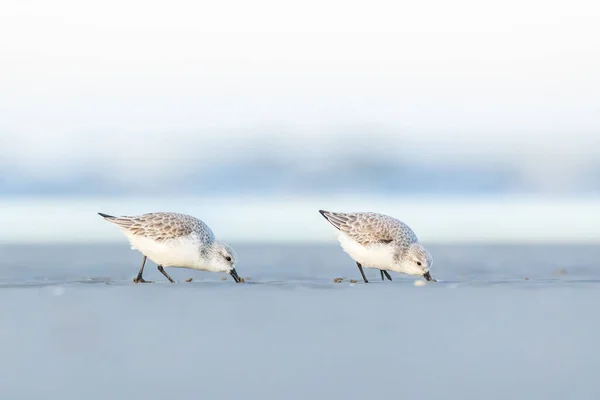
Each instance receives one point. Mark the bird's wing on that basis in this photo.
(163, 226)
(364, 228)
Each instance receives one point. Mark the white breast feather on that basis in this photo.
(379, 256)
(181, 252)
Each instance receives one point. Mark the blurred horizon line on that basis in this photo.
(365, 160)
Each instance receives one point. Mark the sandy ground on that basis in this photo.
(75, 327)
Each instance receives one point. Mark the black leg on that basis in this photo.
(139, 278)
(386, 274)
(381, 272)
(162, 271)
(362, 272)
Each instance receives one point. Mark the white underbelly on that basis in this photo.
(172, 253)
(378, 256)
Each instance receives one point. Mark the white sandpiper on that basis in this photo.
(175, 240)
(381, 242)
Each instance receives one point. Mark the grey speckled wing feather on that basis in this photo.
(371, 228)
(163, 226)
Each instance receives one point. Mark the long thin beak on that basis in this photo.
(234, 275)
(428, 277)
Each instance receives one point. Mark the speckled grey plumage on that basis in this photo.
(163, 226)
(369, 228)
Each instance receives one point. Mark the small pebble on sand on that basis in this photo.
(353, 281)
(188, 280)
(338, 280)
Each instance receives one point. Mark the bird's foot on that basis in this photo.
(141, 280)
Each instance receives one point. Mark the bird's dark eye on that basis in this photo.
(228, 258)
(419, 263)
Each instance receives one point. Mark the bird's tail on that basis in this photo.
(325, 213)
(106, 216)
(335, 219)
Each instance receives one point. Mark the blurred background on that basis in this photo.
(475, 122)
(466, 120)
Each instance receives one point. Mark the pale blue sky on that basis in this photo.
(133, 90)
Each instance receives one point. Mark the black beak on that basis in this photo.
(234, 275)
(428, 277)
